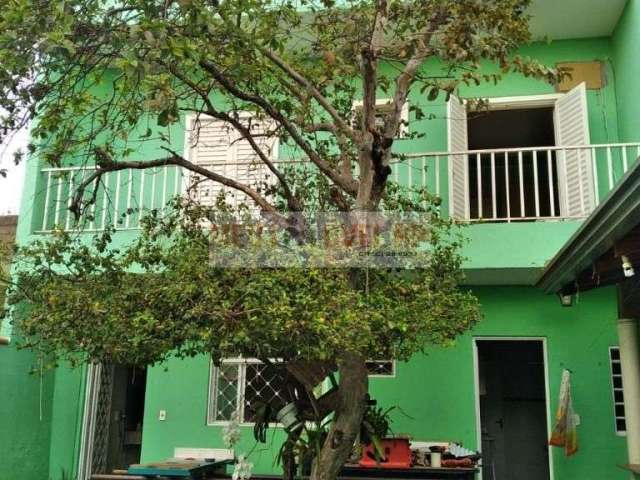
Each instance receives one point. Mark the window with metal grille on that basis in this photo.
(243, 386)
(618, 393)
(381, 368)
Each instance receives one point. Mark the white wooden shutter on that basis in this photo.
(249, 167)
(220, 148)
(574, 166)
(458, 164)
(209, 142)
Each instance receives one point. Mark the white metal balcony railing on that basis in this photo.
(121, 198)
(525, 184)
(503, 185)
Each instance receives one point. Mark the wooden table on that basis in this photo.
(418, 473)
(187, 469)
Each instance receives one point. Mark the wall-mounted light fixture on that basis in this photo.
(627, 267)
(566, 300)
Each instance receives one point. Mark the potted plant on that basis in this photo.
(379, 448)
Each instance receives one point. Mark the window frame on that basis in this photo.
(620, 433)
(212, 398)
(190, 149)
(403, 130)
(382, 375)
(551, 100)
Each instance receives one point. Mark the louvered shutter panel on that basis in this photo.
(575, 166)
(249, 167)
(210, 142)
(458, 164)
(220, 148)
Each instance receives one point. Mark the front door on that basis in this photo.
(513, 409)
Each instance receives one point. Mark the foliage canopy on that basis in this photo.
(103, 78)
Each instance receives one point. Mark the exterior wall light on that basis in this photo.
(627, 267)
(565, 300)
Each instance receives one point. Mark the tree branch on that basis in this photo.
(407, 76)
(370, 148)
(347, 184)
(106, 164)
(292, 201)
(340, 122)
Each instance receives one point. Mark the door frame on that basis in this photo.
(521, 102)
(476, 384)
(91, 392)
(514, 102)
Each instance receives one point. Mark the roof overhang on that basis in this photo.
(592, 256)
(564, 19)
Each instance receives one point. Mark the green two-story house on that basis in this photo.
(524, 175)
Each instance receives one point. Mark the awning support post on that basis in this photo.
(630, 363)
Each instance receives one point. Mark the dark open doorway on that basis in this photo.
(513, 128)
(113, 422)
(513, 409)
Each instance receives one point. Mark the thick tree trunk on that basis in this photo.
(289, 466)
(353, 389)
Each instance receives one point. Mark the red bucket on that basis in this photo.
(397, 454)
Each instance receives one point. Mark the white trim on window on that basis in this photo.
(614, 389)
(523, 101)
(212, 397)
(235, 140)
(388, 102)
(383, 375)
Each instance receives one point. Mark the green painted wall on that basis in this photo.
(602, 121)
(39, 435)
(578, 338)
(493, 246)
(66, 420)
(25, 406)
(40, 429)
(436, 390)
(25, 416)
(182, 390)
(625, 45)
(35, 448)
(526, 245)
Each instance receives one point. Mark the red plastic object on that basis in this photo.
(397, 454)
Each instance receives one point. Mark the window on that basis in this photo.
(242, 385)
(618, 394)
(521, 159)
(383, 106)
(512, 128)
(220, 148)
(381, 368)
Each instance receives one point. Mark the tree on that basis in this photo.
(101, 77)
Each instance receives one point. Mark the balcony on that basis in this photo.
(119, 199)
(526, 184)
(502, 185)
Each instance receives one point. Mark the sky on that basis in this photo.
(11, 186)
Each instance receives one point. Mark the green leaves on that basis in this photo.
(161, 296)
(103, 70)
(168, 116)
(433, 94)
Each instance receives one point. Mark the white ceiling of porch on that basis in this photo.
(561, 19)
